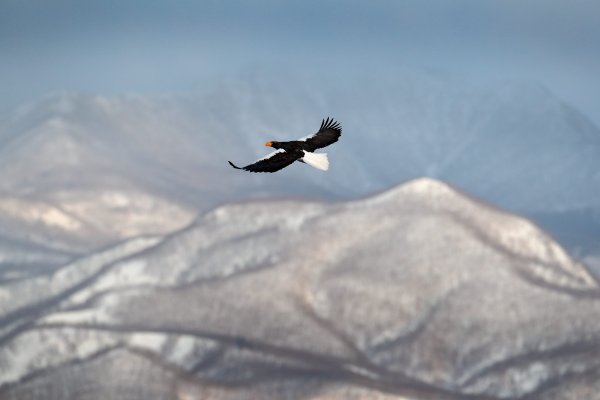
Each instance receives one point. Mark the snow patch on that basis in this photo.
(126, 274)
(150, 341)
(37, 212)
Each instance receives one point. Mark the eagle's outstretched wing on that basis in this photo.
(273, 162)
(329, 132)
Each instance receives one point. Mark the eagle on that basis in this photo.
(299, 150)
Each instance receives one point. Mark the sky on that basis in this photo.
(157, 46)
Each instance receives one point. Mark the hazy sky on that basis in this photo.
(158, 46)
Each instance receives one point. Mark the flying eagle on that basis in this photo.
(299, 150)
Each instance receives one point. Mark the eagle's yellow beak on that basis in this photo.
(268, 144)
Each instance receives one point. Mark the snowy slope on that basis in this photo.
(419, 292)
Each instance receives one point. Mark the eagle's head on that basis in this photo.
(274, 145)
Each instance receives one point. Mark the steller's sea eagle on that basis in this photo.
(299, 150)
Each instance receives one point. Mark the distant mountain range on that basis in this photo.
(420, 292)
(87, 171)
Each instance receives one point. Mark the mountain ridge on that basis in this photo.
(454, 126)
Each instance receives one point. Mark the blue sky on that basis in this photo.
(152, 46)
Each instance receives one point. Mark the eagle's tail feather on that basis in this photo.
(317, 160)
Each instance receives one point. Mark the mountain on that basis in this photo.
(87, 171)
(419, 292)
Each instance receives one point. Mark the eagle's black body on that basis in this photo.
(295, 150)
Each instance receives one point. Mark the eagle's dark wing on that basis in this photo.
(329, 133)
(273, 162)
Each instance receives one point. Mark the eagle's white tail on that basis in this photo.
(317, 160)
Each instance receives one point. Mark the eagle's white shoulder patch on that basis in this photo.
(271, 154)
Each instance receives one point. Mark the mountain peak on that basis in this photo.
(425, 189)
(513, 234)
(426, 186)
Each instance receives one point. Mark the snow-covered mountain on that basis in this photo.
(92, 169)
(420, 292)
